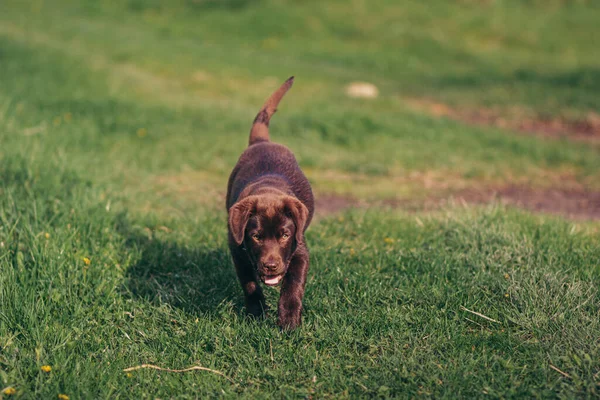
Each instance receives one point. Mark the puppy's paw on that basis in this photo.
(290, 315)
(257, 311)
(289, 323)
(256, 308)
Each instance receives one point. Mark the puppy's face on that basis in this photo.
(270, 228)
(271, 243)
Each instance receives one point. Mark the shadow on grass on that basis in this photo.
(197, 279)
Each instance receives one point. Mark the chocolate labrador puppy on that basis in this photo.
(270, 205)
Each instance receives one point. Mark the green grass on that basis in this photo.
(120, 121)
(383, 305)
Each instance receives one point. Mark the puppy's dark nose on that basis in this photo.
(270, 265)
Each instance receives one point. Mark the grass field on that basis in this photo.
(120, 122)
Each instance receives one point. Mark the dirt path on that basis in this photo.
(575, 203)
(572, 203)
(585, 129)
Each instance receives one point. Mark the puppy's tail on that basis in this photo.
(260, 127)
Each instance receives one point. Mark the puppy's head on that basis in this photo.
(270, 227)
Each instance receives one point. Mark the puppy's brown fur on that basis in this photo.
(270, 205)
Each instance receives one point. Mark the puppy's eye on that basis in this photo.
(285, 236)
(256, 237)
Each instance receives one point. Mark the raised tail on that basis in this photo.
(260, 127)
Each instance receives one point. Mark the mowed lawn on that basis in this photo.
(120, 122)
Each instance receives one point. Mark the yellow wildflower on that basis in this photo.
(46, 368)
(142, 132)
(506, 276)
(506, 295)
(47, 235)
(388, 240)
(9, 391)
(63, 397)
(129, 375)
(86, 261)
(352, 252)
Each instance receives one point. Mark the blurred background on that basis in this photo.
(120, 122)
(403, 104)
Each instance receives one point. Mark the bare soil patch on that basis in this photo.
(577, 203)
(333, 203)
(574, 203)
(587, 129)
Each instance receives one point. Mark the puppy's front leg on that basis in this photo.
(255, 300)
(292, 290)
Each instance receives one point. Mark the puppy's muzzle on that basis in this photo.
(271, 272)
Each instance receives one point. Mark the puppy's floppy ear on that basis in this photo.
(299, 213)
(239, 214)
